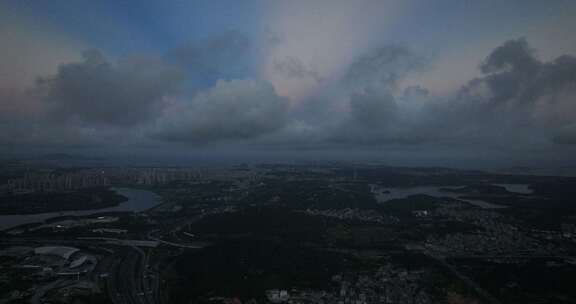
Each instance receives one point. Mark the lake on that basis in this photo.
(400, 193)
(138, 200)
(517, 188)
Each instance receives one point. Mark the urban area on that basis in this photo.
(346, 233)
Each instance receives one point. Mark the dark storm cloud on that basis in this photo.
(513, 56)
(231, 110)
(383, 66)
(373, 110)
(371, 118)
(509, 69)
(379, 111)
(519, 99)
(222, 56)
(514, 74)
(97, 99)
(378, 118)
(96, 91)
(520, 91)
(365, 108)
(25, 120)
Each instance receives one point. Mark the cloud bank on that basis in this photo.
(517, 101)
(231, 110)
(98, 92)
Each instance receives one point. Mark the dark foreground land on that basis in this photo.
(332, 233)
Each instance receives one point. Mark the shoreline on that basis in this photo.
(136, 201)
(36, 202)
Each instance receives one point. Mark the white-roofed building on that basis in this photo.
(61, 251)
(83, 260)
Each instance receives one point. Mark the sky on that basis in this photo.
(425, 82)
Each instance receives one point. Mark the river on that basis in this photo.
(138, 200)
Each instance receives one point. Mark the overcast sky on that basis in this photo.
(408, 81)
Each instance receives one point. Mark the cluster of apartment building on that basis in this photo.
(159, 176)
(32, 182)
(96, 177)
(495, 236)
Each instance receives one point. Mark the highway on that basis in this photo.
(466, 280)
(124, 268)
(131, 280)
(127, 276)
